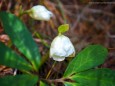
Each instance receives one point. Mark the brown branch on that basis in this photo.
(53, 80)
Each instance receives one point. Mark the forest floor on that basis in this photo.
(90, 23)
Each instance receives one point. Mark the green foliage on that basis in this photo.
(19, 80)
(95, 77)
(78, 72)
(11, 59)
(63, 28)
(43, 83)
(90, 57)
(21, 38)
(71, 84)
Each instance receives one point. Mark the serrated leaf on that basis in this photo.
(18, 80)
(11, 59)
(63, 28)
(90, 57)
(21, 37)
(95, 77)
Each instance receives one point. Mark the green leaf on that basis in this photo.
(71, 84)
(11, 59)
(63, 28)
(18, 80)
(90, 57)
(95, 77)
(21, 37)
(43, 83)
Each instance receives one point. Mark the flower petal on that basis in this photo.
(58, 59)
(39, 12)
(61, 47)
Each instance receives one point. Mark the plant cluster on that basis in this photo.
(81, 71)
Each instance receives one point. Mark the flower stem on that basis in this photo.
(50, 70)
(24, 12)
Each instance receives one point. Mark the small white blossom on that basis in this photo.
(39, 12)
(61, 47)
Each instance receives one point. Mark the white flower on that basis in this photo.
(39, 12)
(61, 47)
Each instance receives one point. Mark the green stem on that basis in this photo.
(42, 40)
(21, 13)
(50, 70)
(59, 34)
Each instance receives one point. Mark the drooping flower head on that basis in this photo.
(61, 47)
(39, 12)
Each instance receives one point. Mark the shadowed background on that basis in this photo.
(91, 22)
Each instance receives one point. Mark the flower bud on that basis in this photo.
(61, 47)
(39, 12)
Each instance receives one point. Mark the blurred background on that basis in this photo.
(91, 22)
